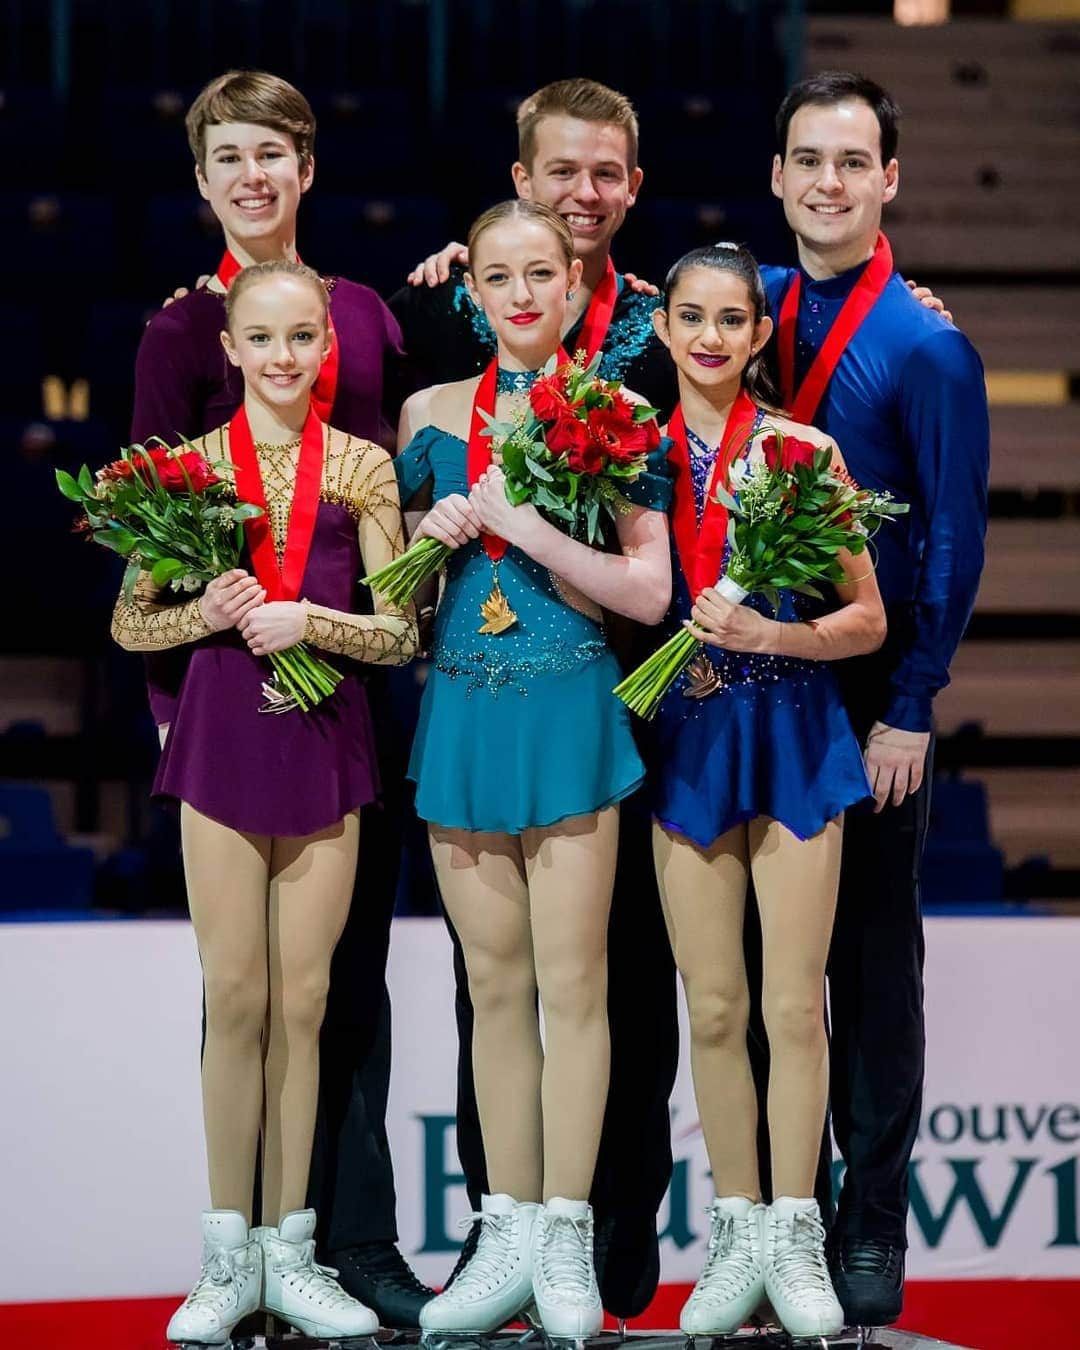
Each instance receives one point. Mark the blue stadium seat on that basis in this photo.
(37, 869)
(60, 240)
(373, 240)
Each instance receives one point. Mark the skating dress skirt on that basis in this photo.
(767, 736)
(292, 774)
(517, 729)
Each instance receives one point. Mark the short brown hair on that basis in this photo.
(277, 267)
(586, 100)
(519, 208)
(251, 96)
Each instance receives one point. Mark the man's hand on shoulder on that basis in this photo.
(926, 296)
(435, 268)
(639, 285)
(181, 291)
(895, 763)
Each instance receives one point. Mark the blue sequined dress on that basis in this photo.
(772, 737)
(520, 728)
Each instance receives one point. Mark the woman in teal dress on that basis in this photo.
(520, 760)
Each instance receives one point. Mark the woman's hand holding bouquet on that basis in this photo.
(569, 453)
(170, 514)
(791, 513)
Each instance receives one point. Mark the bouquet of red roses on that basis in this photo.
(171, 515)
(790, 513)
(569, 453)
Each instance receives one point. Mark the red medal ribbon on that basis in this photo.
(324, 389)
(478, 454)
(280, 583)
(597, 321)
(802, 403)
(701, 549)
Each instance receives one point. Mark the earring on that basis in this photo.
(569, 295)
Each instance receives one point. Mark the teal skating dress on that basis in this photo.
(517, 729)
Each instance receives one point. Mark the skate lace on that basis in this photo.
(306, 1276)
(799, 1256)
(487, 1265)
(219, 1271)
(564, 1255)
(729, 1263)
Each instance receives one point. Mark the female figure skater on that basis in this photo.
(269, 806)
(756, 763)
(520, 760)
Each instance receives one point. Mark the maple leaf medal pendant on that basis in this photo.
(701, 678)
(495, 610)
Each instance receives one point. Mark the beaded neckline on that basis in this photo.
(515, 381)
(267, 446)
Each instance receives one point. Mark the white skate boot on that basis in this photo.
(229, 1287)
(731, 1285)
(795, 1270)
(303, 1293)
(496, 1284)
(564, 1278)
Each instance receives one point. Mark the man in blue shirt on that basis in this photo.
(904, 396)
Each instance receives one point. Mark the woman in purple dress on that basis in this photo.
(269, 805)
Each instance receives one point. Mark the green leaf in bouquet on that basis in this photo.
(245, 511)
(166, 570)
(131, 576)
(725, 498)
(592, 519)
(643, 413)
(86, 481)
(116, 537)
(68, 486)
(537, 469)
(805, 588)
(771, 597)
(517, 492)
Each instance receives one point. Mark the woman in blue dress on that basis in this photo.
(756, 763)
(520, 760)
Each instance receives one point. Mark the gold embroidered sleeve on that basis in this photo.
(146, 625)
(389, 636)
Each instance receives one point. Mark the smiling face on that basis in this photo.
(519, 274)
(832, 181)
(278, 337)
(580, 169)
(710, 330)
(253, 182)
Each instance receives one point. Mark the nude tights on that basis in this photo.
(267, 913)
(703, 893)
(531, 912)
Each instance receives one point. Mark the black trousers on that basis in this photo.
(875, 978)
(352, 1181)
(634, 1163)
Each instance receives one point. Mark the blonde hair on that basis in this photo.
(518, 208)
(251, 96)
(588, 101)
(279, 267)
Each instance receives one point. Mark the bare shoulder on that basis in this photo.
(445, 406)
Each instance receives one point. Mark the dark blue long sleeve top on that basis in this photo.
(907, 407)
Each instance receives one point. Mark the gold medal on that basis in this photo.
(496, 611)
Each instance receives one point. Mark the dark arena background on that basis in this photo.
(101, 1151)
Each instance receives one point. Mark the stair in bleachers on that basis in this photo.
(989, 142)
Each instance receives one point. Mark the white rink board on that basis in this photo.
(101, 1154)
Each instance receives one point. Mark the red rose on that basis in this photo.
(620, 440)
(548, 397)
(567, 434)
(588, 458)
(785, 452)
(170, 473)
